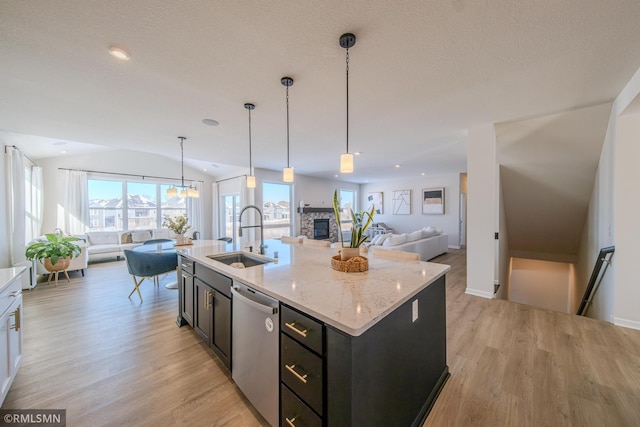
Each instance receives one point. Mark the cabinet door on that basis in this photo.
(11, 351)
(203, 319)
(187, 297)
(221, 340)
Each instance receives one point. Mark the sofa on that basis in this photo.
(428, 242)
(109, 244)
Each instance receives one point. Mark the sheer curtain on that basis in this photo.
(16, 201)
(76, 202)
(195, 211)
(215, 211)
(35, 210)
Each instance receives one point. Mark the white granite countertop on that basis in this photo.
(303, 278)
(8, 275)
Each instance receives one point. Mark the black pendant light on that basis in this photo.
(347, 41)
(287, 173)
(251, 179)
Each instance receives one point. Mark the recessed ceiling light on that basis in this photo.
(210, 122)
(397, 166)
(423, 174)
(336, 175)
(204, 169)
(119, 53)
(63, 152)
(357, 153)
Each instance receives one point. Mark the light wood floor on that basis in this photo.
(109, 360)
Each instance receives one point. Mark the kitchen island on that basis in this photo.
(355, 348)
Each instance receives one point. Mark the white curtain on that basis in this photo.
(16, 202)
(195, 210)
(215, 211)
(76, 202)
(35, 209)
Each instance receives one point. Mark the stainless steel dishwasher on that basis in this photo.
(255, 349)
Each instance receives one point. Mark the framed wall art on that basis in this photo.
(375, 199)
(402, 202)
(433, 201)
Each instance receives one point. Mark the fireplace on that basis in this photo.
(321, 229)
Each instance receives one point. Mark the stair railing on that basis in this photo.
(594, 282)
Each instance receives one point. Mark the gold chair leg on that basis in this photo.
(136, 285)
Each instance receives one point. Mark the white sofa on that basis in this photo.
(108, 244)
(428, 242)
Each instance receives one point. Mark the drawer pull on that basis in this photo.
(16, 313)
(291, 421)
(291, 369)
(292, 326)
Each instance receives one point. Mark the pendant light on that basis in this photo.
(347, 41)
(251, 179)
(184, 191)
(287, 173)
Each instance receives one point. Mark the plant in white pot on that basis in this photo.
(55, 252)
(360, 221)
(179, 226)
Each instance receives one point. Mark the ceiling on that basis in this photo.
(421, 74)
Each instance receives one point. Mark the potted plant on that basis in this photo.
(55, 252)
(360, 221)
(179, 226)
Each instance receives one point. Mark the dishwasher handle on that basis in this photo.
(264, 308)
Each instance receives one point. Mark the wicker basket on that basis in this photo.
(352, 265)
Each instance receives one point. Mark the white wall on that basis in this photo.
(627, 234)
(5, 257)
(315, 191)
(543, 284)
(417, 220)
(618, 297)
(482, 210)
(503, 258)
(120, 161)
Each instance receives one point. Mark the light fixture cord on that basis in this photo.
(250, 164)
(182, 138)
(347, 100)
(288, 126)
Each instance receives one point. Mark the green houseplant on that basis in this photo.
(56, 250)
(360, 221)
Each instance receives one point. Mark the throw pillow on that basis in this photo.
(383, 238)
(140, 236)
(412, 237)
(395, 240)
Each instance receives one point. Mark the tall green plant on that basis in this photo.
(360, 222)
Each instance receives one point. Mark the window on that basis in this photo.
(130, 205)
(347, 203)
(276, 209)
(230, 211)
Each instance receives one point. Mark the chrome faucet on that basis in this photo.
(240, 227)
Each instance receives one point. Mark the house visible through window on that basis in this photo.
(276, 209)
(130, 205)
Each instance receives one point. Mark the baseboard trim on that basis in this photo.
(454, 247)
(479, 293)
(633, 324)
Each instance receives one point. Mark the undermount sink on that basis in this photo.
(240, 257)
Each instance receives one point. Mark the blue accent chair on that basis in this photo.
(144, 265)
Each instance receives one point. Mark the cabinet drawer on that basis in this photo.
(10, 293)
(294, 412)
(186, 265)
(302, 328)
(214, 279)
(301, 371)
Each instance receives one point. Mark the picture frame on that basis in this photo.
(433, 201)
(402, 202)
(375, 199)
